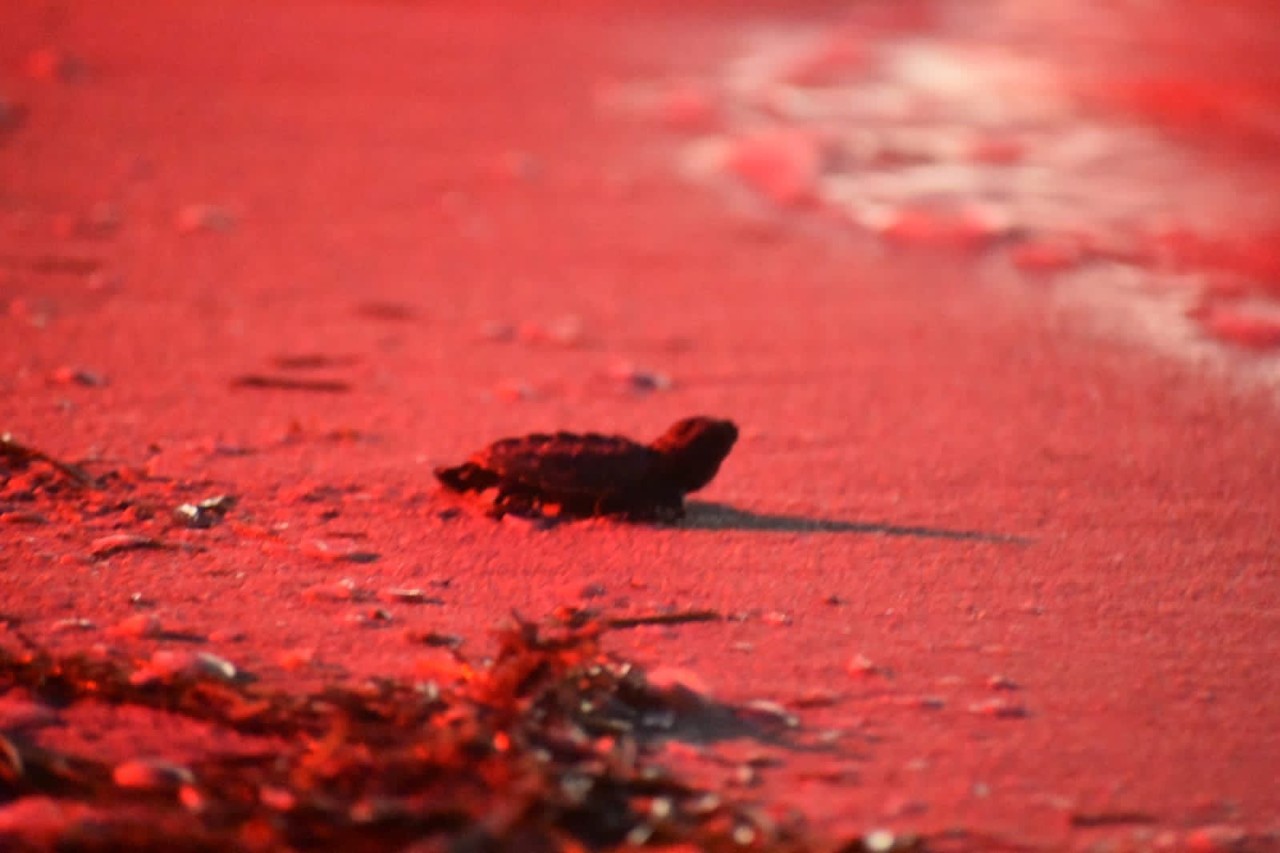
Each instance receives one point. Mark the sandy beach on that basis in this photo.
(1014, 540)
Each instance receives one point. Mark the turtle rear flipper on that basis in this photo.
(467, 477)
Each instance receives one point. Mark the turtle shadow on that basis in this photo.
(704, 515)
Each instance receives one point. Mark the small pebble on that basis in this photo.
(566, 331)
(192, 799)
(293, 660)
(277, 799)
(513, 391)
(369, 618)
(138, 625)
(999, 708)
(207, 663)
(321, 550)
(162, 666)
(404, 596)
(497, 332)
(928, 703)
(1218, 838)
(817, 698)
(105, 546)
(766, 710)
(51, 63)
(203, 217)
(11, 114)
(72, 624)
(879, 841)
(66, 375)
(150, 774)
(440, 666)
(636, 380)
(860, 664)
(342, 589)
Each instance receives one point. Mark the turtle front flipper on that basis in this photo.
(467, 477)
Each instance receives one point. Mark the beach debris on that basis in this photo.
(52, 63)
(166, 664)
(372, 617)
(73, 623)
(193, 218)
(560, 740)
(514, 391)
(571, 475)
(999, 708)
(103, 219)
(769, 712)
(1109, 818)
(861, 665)
(566, 331)
(631, 378)
(1218, 838)
(12, 114)
(923, 702)
(312, 361)
(67, 375)
(116, 543)
(137, 625)
(292, 660)
(322, 550)
(17, 516)
(205, 513)
(400, 595)
(20, 456)
(290, 383)
(396, 312)
(435, 639)
(62, 264)
(818, 697)
(151, 774)
(497, 331)
(340, 590)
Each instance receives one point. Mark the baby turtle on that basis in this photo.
(570, 475)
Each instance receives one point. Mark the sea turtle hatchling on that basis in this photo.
(575, 475)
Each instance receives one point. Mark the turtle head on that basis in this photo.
(692, 450)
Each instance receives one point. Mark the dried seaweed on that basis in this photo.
(290, 383)
(549, 747)
(21, 456)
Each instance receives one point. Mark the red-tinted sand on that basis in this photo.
(207, 188)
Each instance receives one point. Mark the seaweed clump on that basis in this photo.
(550, 746)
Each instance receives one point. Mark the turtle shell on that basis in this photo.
(570, 465)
